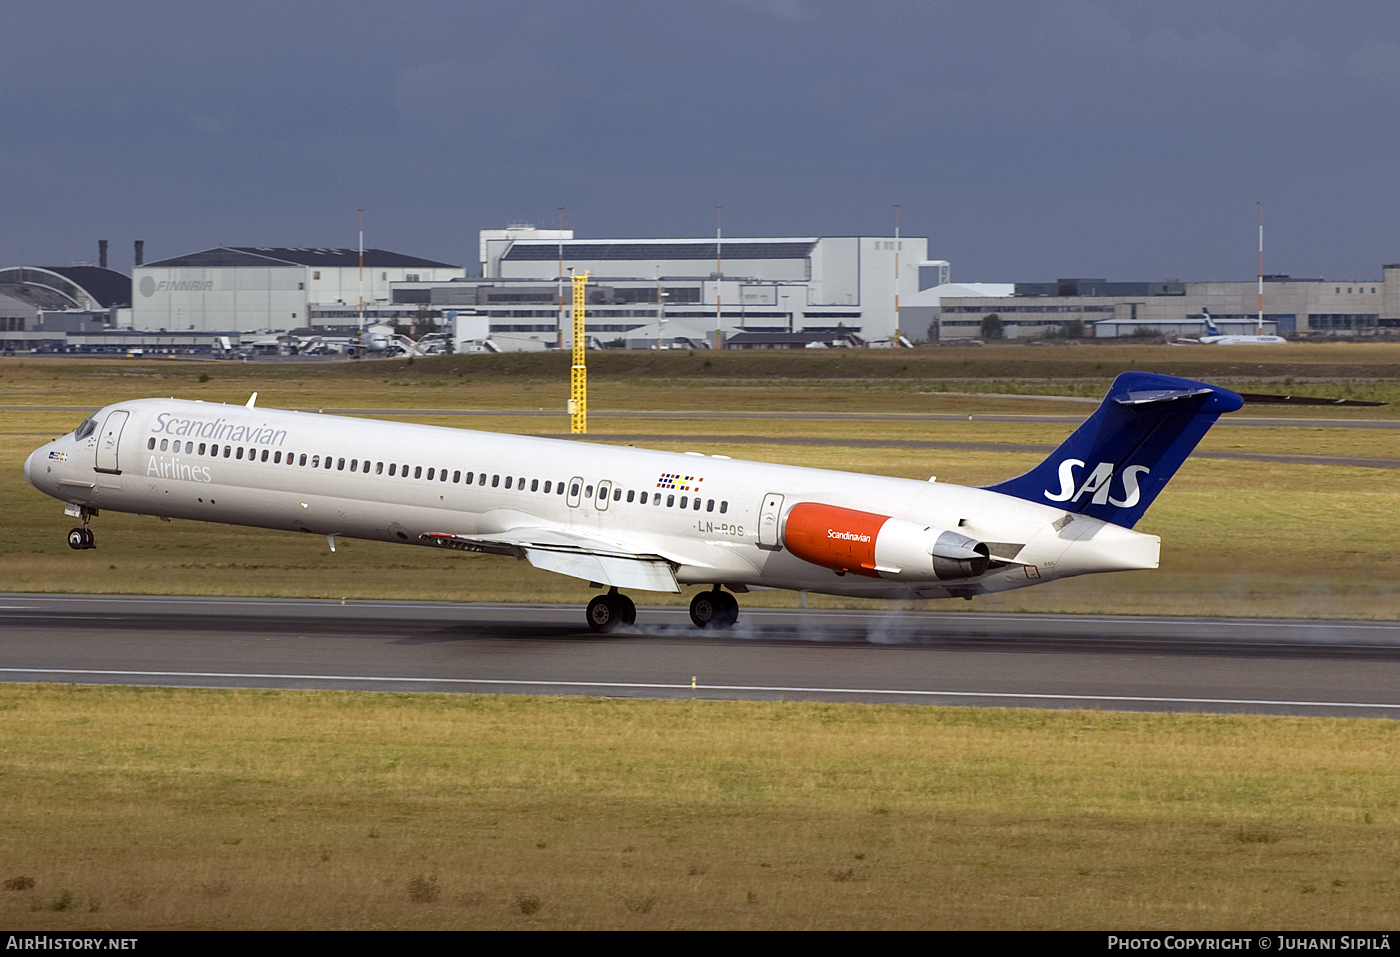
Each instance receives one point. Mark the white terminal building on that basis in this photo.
(775, 291)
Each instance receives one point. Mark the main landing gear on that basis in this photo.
(714, 609)
(611, 611)
(709, 609)
(80, 538)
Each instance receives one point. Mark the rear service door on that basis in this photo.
(768, 516)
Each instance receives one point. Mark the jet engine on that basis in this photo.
(879, 546)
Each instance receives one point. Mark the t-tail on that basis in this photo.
(1211, 328)
(1115, 464)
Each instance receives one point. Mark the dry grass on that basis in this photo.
(153, 808)
(207, 809)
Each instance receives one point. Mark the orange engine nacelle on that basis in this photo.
(878, 546)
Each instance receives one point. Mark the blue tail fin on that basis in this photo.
(1211, 328)
(1114, 465)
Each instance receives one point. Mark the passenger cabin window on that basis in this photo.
(495, 481)
(430, 474)
(417, 471)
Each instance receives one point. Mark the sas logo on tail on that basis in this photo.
(1097, 483)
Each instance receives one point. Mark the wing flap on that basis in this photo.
(566, 552)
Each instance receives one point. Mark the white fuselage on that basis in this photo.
(1241, 340)
(395, 482)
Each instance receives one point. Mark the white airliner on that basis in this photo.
(639, 519)
(1214, 337)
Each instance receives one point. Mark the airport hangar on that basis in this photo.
(1292, 307)
(43, 303)
(642, 291)
(235, 289)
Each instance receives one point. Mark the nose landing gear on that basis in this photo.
(81, 538)
(714, 609)
(611, 611)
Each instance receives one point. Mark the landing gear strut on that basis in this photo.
(611, 611)
(714, 609)
(80, 538)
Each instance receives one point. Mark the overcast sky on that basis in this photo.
(1029, 140)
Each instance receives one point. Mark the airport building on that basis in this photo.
(650, 290)
(28, 293)
(258, 288)
(1110, 310)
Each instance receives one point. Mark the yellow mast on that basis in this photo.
(578, 377)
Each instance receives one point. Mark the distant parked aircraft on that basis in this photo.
(1213, 336)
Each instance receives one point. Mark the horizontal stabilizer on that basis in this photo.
(1159, 395)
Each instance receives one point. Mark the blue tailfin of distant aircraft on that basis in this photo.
(1211, 328)
(1115, 464)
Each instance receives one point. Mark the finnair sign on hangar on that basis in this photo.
(254, 288)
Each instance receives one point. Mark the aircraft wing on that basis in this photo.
(567, 552)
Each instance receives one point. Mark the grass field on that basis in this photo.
(154, 808)
(210, 809)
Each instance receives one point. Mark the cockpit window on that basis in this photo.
(88, 427)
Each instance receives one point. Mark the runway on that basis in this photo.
(1266, 666)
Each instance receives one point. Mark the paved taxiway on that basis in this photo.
(928, 657)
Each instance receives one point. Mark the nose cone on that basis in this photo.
(29, 466)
